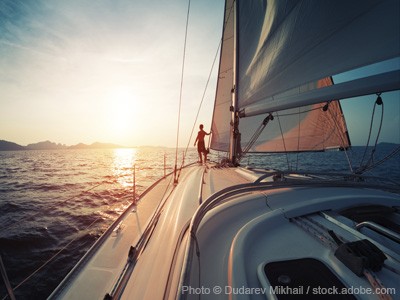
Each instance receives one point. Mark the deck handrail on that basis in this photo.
(380, 229)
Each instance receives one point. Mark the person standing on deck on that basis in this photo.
(201, 147)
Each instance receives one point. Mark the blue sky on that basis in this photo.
(358, 110)
(84, 71)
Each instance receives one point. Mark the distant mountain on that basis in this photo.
(47, 145)
(10, 146)
(79, 146)
(96, 145)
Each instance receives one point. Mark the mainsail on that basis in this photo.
(286, 53)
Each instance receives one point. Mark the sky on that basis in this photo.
(358, 111)
(110, 71)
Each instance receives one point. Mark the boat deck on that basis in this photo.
(259, 229)
(152, 281)
(102, 267)
(250, 226)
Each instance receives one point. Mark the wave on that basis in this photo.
(49, 199)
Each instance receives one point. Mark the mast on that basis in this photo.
(234, 134)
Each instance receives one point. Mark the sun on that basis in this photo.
(122, 107)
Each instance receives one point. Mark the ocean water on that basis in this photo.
(54, 204)
(53, 199)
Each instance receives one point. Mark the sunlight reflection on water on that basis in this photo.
(123, 163)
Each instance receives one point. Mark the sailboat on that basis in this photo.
(222, 231)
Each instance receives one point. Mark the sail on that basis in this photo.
(314, 127)
(222, 116)
(286, 44)
(285, 50)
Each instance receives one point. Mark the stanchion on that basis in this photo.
(165, 167)
(134, 186)
(6, 281)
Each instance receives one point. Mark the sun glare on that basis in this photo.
(122, 107)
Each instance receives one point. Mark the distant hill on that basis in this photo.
(10, 146)
(47, 145)
(95, 146)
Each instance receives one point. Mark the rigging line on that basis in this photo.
(38, 213)
(335, 121)
(376, 140)
(55, 255)
(380, 125)
(209, 140)
(6, 280)
(180, 93)
(369, 135)
(387, 157)
(143, 240)
(283, 140)
(362, 168)
(142, 243)
(255, 136)
(205, 89)
(298, 144)
(252, 141)
(202, 98)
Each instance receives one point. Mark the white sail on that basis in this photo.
(284, 50)
(222, 116)
(285, 44)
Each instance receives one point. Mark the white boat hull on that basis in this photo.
(222, 255)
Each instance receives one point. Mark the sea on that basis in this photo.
(54, 204)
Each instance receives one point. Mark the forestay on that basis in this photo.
(287, 52)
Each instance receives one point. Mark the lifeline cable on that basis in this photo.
(26, 218)
(52, 258)
(298, 142)
(283, 141)
(387, 157)
(74, 239)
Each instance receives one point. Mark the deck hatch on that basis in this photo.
(307, 277)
